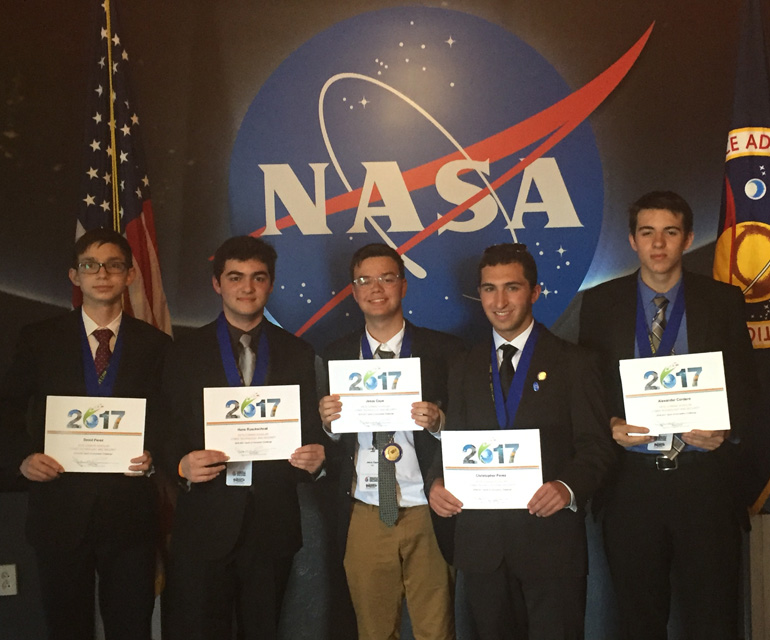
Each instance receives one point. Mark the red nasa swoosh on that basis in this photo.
(550, 125)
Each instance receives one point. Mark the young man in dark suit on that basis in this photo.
(387, 560)
(233, 542)
(82, 524)
(525, 569)
(672, 512)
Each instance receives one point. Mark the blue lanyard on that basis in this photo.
(228, 358)
(506, 409)
(669, 333)
(406, 345)
(106, 388)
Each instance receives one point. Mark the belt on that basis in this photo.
(663, 463)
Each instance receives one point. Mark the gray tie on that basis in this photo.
(247, 359)
(658, 322)
(386, 470)
(656, 335)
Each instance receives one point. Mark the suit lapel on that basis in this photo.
(697, 317)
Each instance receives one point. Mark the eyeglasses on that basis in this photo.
(91, 267)
(388, 280)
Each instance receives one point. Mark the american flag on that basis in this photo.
(116, 188)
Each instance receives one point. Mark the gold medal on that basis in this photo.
(392, 452)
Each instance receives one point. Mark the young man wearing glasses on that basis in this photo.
(391, 556)
(85, 523)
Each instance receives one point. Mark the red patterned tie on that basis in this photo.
(103, 353)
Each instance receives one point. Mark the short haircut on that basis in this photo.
(667, 200)
(243, 248)
(99, 237)
(510, 253)
(376, 250)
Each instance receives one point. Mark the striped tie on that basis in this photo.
(658, 322)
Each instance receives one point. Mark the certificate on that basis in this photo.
(675, 394)
(95, 435)
(497, 469)
(376, 395)
(253, 423)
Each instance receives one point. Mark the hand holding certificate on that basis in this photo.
(253, 423)
(492, 469)
(94, 435)
(676, 394)
(376, 395)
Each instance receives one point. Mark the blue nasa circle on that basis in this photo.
(391, 91)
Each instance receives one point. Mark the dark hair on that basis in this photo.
(376, 250)
(510, 253)
(244, 248)
(100, 237)
(667, 200)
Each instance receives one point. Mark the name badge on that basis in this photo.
(239, 474)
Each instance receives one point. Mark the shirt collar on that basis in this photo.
(91, 326)
(648, 294)
(394, 344)
(519, 341)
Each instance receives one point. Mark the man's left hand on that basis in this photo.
(708, 440)
(309, 457)
(551, 497)
(141, 465)
(427, 415)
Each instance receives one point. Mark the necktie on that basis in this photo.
(658, 322)
(386, 470)
(506, 367)
(247, 360)
(656, 335)
(103, 353)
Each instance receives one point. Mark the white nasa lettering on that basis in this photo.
(396, 202)
(556, 202)
(282, 182)
(454, 190)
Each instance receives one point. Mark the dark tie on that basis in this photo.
(506, 367)
(103, 353)
(386, 470)
(658, 322)
(247, 359)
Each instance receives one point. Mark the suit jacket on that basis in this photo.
(716, 321)
(209, 515)
(436, 351)
(49, 361)
(576, 448)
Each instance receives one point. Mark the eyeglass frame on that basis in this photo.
(368, 281)
(109, 267)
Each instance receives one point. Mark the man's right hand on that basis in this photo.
(203, 465)
(329, 408)
(39, 467)
(442, 501)
(623, 433)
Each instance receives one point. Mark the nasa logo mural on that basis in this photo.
(431, 130)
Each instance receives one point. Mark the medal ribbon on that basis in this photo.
(669, 333)
(93, 388)
(506, 408)
(228, 357)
